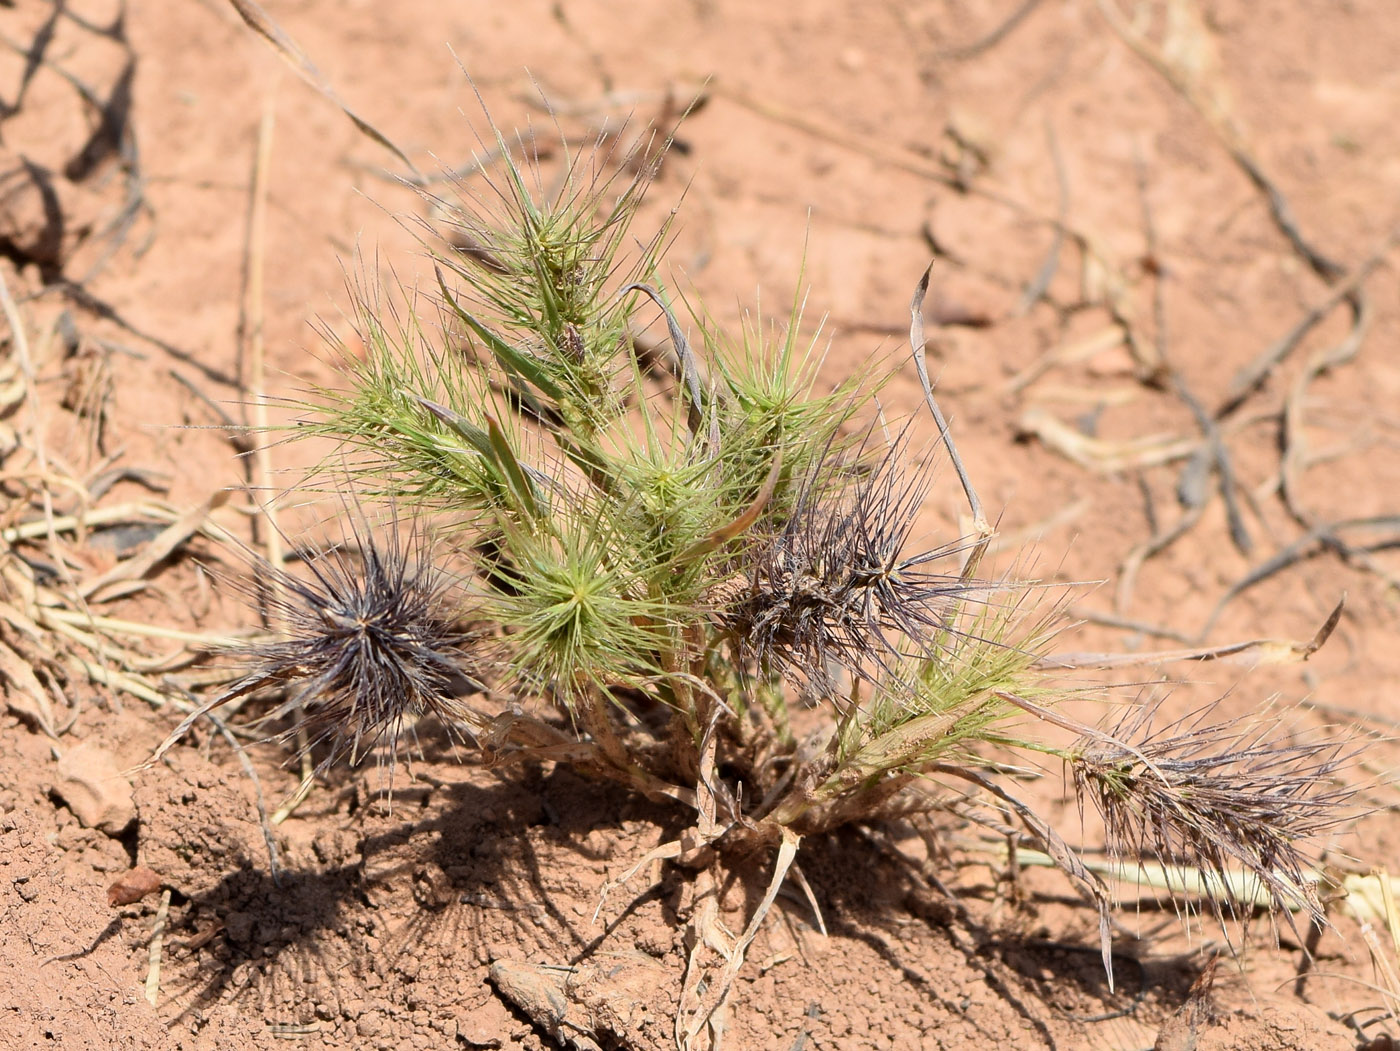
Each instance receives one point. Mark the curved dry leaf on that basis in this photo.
(1101, 454)
(133, 885)
(25, 696)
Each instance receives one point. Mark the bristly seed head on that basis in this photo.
(369, 644)
(1219, 798)
(834, 587)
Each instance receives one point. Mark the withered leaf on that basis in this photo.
(132, 886)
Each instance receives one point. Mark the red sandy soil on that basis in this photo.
(840, 146)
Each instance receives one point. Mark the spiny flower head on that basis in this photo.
(834, 586)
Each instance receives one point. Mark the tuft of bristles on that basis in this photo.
(833, 587)
(370, 641)
(1220, 798)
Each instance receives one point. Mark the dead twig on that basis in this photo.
(1219, 122)
(1292, 462)
(995, 37)
(1252, 376)
(1253, 652)
(1325, 536)
(1040, 284)
(1213, 453)
(903, 160)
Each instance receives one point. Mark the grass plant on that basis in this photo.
(675, 565)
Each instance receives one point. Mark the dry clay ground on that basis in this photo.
(1132, 206)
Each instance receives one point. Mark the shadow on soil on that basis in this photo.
(392, 883)
(1046, 982)
(466, 867)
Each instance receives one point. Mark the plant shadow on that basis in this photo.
(458, 873)
(1056, 986)
(473, 865)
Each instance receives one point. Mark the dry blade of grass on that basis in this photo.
(156, 552)
(262, 23)
(155, 949)
(1251, 653)
(25, 695)
(1235, 886)
(138, 688)
(20, 339)
(255, 266)
(1367, 898)
(57, 621)
(1082, 349)
(104, 516)
(716, 988)
(918, 348)
(49, 616)
(1104, 455)
(1385, 963)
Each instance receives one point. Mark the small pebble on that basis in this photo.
(93, 786)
